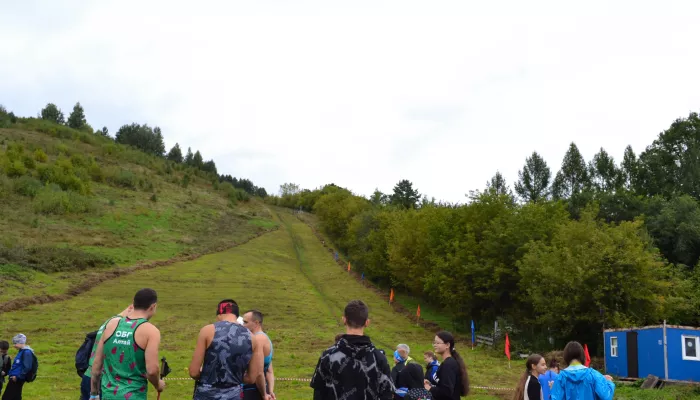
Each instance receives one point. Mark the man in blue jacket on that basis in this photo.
(20, 368)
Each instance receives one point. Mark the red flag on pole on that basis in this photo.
(348, 266)
(507, 347)
(391, 296)
(588, 357)
(418, 311)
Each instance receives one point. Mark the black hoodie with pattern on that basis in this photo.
(352, 369)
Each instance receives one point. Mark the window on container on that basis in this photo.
(613, 346)
(690, 347)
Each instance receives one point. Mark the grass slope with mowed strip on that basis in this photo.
(287, 274)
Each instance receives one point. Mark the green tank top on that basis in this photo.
(124, 376)
(100, 331)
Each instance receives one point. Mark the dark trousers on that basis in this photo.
(85, 388)
(13, 391)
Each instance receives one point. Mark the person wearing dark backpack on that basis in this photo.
(23, 369)
(5, 362)
(85, 355)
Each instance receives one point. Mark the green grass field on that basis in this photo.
(286, 273)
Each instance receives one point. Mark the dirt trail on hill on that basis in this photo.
(100, 277)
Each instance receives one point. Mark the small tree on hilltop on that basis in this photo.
(53, 114)
(76, 119)
(175, 154)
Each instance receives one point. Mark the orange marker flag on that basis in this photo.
(418, 312)
(348, 266)
(391, 296)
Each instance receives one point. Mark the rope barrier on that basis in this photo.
(289, 380)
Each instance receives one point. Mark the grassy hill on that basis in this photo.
(76, 202)
(86, 222)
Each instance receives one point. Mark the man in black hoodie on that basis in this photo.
(353, 368)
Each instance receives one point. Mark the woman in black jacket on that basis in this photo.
(452, 379)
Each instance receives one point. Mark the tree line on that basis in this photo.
(598, 244)
(140, 136)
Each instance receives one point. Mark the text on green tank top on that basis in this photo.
(98, 337)
(124, 374)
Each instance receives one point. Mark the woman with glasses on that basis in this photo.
(452, 379)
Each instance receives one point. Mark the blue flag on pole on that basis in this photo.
(473, 335)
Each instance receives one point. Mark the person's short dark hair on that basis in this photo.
(573, 351)
(227, 306)
(430, 354)
(145, 298)
(356, 314)
(257, 315)
(553, 363)
(4, 345)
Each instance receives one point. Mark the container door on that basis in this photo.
(632, 355)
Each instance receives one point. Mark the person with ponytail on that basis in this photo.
(529, 387)
(578, 382)
(452, 379)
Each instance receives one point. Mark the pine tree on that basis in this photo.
(53, 114)
(605, 176)
(175, 154)
(533, 183)
(573, 177)
(76, 119)
(404, 195)
(189, 157)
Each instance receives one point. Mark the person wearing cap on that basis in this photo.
(20, 368)
(401, 358)
(226, 357)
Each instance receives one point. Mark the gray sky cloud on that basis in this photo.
(363, 94)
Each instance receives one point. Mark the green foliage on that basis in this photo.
(670, 165)
(40, 156)
(76, 119)
(142, 137)
(27, 186)
(197, 160)
(573, 178)
(51, 259)
(15, 168)
(593, 273)
(50, 201)
(404, 195)
(533, 183)
(497, 185)
(189, 157)
(121, 178)
(175, 154)
(605, 176)
(53, 114)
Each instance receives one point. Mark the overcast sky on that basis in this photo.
(362, 93)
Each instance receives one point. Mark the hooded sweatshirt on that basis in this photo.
(580, 383)
(352, 369)
(22, 364)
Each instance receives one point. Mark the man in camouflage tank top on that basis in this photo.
(127, 354)
(224, 353)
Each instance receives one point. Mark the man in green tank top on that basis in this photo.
(127, 354)
(85, 385)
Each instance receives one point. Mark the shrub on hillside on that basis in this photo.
(122, 178)
(96, 173)
(27, 186)
(6, 186)
(78, 160)
(40, 156)
(28, 162)
(15, 168)
(63, 175)
(49, 201)
(52, 259)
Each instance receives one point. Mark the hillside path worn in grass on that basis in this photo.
(103, 276)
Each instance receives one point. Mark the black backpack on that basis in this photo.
(82, 356)
(35, 367)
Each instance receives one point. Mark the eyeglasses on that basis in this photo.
(438, 343)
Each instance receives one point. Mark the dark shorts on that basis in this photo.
(250, 392)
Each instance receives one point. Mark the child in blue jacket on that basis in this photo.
(578, 382)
